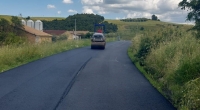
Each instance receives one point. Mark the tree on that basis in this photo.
(84, 22)
(4, 25)
(194, 15)
(28, 18)
(16, 22)
(154, 17)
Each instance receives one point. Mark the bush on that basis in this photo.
(54, 38)
(191, 97)
(144, 49)
(62, 37)
(11, 39)
(88, 35)
(142, 28)
(187, 71)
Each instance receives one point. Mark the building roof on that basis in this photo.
(35, 32)
(55, 32)
(78, 32)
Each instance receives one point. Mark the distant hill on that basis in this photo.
(149, 24)
(8, 17)
(127, 30)
(84, 22)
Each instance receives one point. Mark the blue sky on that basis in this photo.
(166, 10)
(38, 7)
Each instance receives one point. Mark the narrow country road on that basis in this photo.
(80, 79)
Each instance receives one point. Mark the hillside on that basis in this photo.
(8, 17)
(148, 24)
(128, 30)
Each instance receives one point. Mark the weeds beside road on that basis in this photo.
(12, 56)
(170, 58)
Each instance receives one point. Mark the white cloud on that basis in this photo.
(59, 12)
(50, 6)
(72, 11)
(166, 10)
(87, 10)
(67, 1)
(117, 18)
(139, 15)
(91, 2)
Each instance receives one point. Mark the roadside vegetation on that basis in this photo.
(15, 49)
(169, 56)
(12, 56)
(170, 59)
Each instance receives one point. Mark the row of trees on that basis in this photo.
(134, 20)
(155, 18)
(84, 22)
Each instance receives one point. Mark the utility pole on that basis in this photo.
(75, 28)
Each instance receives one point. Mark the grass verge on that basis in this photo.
(12, 56)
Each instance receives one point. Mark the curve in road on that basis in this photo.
(80, 79)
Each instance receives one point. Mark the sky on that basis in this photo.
(165, 10)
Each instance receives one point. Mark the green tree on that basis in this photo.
(4, 25)
(27, 18)
(154, 17)
(84, 22)
(194, 15)
(16, 22)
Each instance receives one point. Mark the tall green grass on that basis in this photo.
(12, 56)
(171, 58)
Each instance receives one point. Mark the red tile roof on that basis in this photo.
(55, 32)
(35, 32)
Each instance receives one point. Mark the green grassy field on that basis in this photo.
(47, 18)
(8, 17)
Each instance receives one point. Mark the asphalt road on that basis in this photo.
(80, 79)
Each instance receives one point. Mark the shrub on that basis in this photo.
(12, 39)
(142, 28)
(187, 71)
(62, 37)
(144, 49)
(191, 97)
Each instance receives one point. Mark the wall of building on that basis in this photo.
(45, 39)
(36, 39)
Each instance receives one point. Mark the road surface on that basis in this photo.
(80, 79)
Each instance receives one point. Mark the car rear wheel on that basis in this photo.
(92, 47)
(103, 47)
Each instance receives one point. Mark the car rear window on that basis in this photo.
(98, 36)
